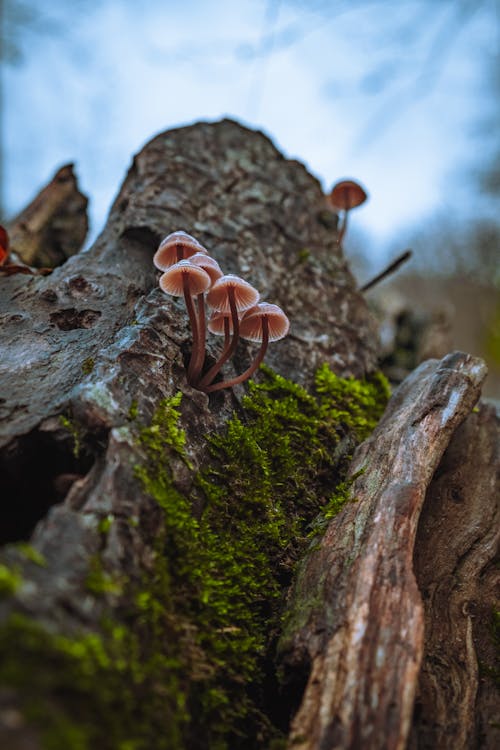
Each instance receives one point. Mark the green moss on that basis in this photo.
(183, 662)
(31, 553)
(88, 365)
(10, 580)
(69, 425)
(105, 524)
(133, 412)
(101, 582)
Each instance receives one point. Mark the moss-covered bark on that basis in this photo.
(184, 658)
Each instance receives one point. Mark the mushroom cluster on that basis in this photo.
(190, 272)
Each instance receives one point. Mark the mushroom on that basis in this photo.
(233, 295)
(189, 280)
(175, 247)
(345, 196)
(212, 268)
(4, 245)
(261, 323)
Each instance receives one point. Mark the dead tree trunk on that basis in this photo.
(146, 609)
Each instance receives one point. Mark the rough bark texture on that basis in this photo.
(363, 631)
(94, 342)
(456, 565)
(97, 338)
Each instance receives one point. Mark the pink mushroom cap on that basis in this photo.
(171, 245)
(245, 295)
(172, 281)
(251, 322)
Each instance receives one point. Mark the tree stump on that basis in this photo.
(150, 530)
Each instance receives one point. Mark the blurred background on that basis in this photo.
(401, 95)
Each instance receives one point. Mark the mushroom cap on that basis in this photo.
(216, 323)
(245, 295)
(347, 194)
(4, 244)
(251, 322)
(172, 281)
(208, 264)
(166, 255)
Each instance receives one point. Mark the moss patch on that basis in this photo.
(185, 661)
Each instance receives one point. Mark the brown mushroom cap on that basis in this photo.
(172, 281)
(208, 264)
(171, 245)
(347, 194)
(245, 295)
(216, 323)
(251, 322)
(4, 244)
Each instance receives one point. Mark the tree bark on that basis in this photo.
(54, 225)
(364, 639)
(95, 347)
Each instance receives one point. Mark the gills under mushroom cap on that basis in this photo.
(175, 247)
(208, 264)
(252, 321)
(245, 295)
(173, 280)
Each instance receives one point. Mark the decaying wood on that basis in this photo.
(456, 566)
(54, 225)
(97, 336)
(362, 633)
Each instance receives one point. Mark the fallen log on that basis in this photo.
(361, 635)
(109, 632)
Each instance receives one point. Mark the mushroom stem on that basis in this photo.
(198, 351)
(180, 251)
(250, 370)
(229, 346)
(193, 320)
(343, 227)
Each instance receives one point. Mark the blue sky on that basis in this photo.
(391, 93)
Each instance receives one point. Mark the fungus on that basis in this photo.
(261, 323)
(9, 269)
(4, 245)
(212, 268)
(175, 247)
(233, 295)
(345, 196)
(188, 280)
(232, 299)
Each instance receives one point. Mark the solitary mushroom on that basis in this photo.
(4, 245)
(175, 247)
(189, 280)
(345, 196)
(233, 295)
(261, 323)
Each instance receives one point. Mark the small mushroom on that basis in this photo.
(233, 295)
(4, 245)
(213, 269)
(345, 196)
(188, 280)
(261, 323)
(175, 247)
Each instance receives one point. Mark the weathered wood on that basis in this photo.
(356, 615)
(97, 339)
(54, 225)
(456, 566)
